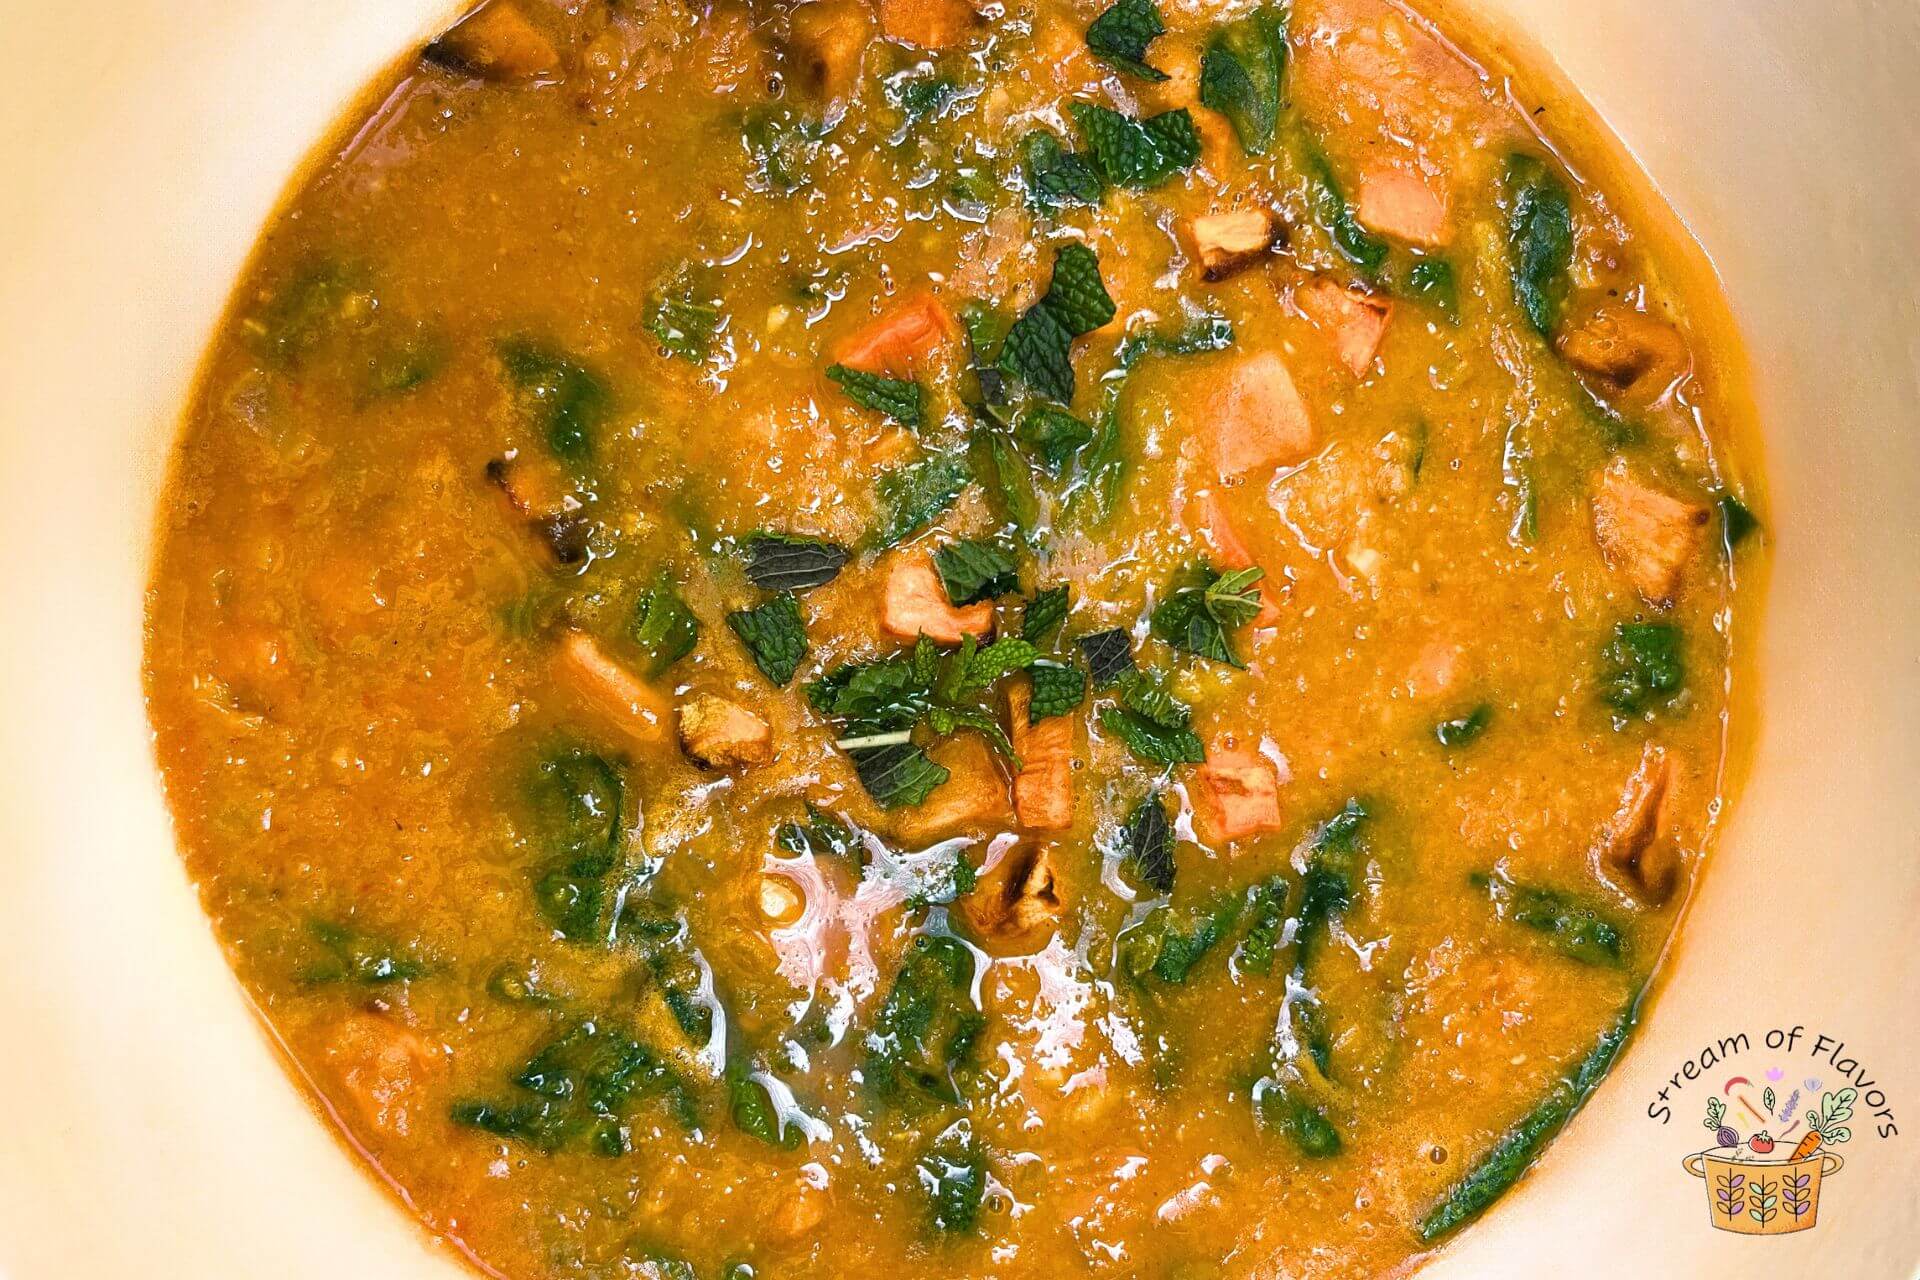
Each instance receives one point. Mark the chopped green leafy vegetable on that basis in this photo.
(1171, 941)
(1335, 216)
(569, 400)
(1147, 843)
(898, 775)
(775, 636)
(1240, 75)
(1302, 1121)
(1109, 656)
(1501, 1166)
(1153, 725)
(1737, 521)
(1045, 612)
(1326, 889)
(1038, 349)
(1057, 690)
(1056, 177)
(952, 1175)
(354, 955)
(1574, 929)
(575, 799)
(1053, 434)
(663, 626)
(782, 146)
(682, 314)
(1539, 239)
(928, 1024)
(1430, 280)
(1121, 34)
(821, 834)
(1461, 730)
(1104, 466)
(1643, 664)
(753, 1111)
(914, 496)
(973, 570)
(1129, 152)
(1266, 918)
(1004, 472)
(1196, 617)
(1194, 335)
(582, 1085)
(897, 398)
(785, 562)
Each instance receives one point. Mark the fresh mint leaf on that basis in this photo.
(786, 562)
(1054, 435)
(775, 636)
(1240, 76)
(898, 776)
(1045, 611)
(1196, 618)
(1038, 349)
(1129, 152)
(1001, 658)
(896, 398)
(1154, 743)
(1120, 36)
(1057, 690)
(973, 570)
(1147, 844)
(1056, 177)
(914, 496)
(1109, 656)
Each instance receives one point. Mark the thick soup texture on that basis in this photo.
(876, 639)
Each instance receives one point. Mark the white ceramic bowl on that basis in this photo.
(150, 1129)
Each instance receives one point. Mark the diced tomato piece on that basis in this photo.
(1043, 789)
(1399, 203)
(916, 604)
(1238, 795)
(1206, 514)
(1355, 321)
(1258, 419)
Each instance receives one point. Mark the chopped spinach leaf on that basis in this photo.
(1193, 335)
(683, 315)
(354, 955)
(1045, 612)
(582, 1085)
(914, 496)
(574, 800)
(775, 636)
(928, 1024)
(897, 398)
(1335, 216)
(785, 562)
(1121, 34)
(753, 1112)
(663, 626)
(952, 1175)
(1461, 730)
(1737, 521)
(569, 400)
(1129, 152)
(1539, 239)
(1644, 664)
(1266, 918)
(1171, 941)
(1054, 435)
(1572, 927)
(1240, 76)
(1430, 280)
(973, 570)
(821, 834)
(1003, 470)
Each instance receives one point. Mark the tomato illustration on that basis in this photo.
(1761, 1142)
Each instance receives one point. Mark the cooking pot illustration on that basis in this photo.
(1762, 1195)
(1761, 1185)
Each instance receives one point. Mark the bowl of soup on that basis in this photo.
(776, 640)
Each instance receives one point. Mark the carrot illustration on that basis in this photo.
(1807, 1145)
(1827, 1124)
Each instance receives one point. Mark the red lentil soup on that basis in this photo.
(877, 638)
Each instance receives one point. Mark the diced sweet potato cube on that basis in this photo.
(626, 701)
(1399, 203)
(1355, 321)
(719, 734)
(829, 40)
(929, 24)
(1043, 789)
(1628, 351)
(1635, 850)
(974, 795)
(1646, 535)
(1238, 795)
(1016, 902)
(1229, 242)
(1206, 514)
(496, 42)
(1258, 419)
(916, 604)
(902, 338)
